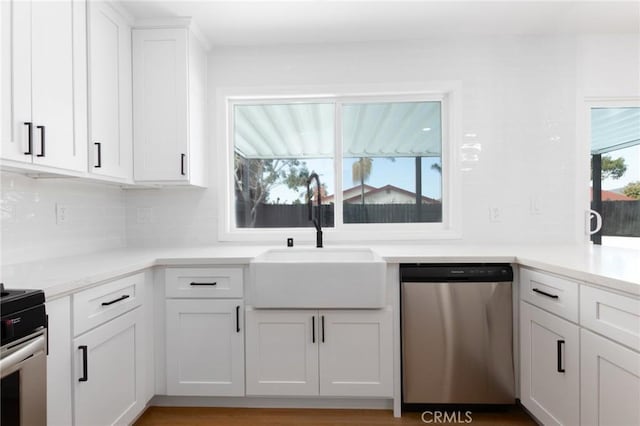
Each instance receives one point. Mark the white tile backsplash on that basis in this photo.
(95, 217)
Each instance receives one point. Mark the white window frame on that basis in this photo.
(583, 149)
(448, 93)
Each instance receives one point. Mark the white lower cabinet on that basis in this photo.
(356, 355)
(205, 347)
(327, 352)
(549, 366)
(59, 393)
(282, 355)
(610, 376)
(108, 372)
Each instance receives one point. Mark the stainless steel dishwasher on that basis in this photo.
(457, 337)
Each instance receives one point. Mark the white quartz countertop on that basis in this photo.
(614, 268)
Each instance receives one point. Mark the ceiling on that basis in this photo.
(260, 23)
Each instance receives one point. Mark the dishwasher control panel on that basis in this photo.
(479, 272)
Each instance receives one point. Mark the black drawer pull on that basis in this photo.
(544, 293)
(322, 320)
(85, 369)
(30, 138)
(237, 319)
(182, 156)
(119, 299)
(194, 283)
(41, 141)
(313, 329)
(99, 155)
(559, 353)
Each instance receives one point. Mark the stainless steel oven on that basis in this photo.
(23, 366)
(23, 358)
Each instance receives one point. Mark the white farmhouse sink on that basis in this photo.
(318, 278)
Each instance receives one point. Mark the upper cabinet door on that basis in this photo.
(16, 80)
(110, 96)
(58, 81)
(47, 60)
(161, 127)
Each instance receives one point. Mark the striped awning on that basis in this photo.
(614, 128)
(307, 130)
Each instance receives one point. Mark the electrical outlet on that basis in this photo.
(145, 214)
(535, 206)
(495, 214)
(62, 214)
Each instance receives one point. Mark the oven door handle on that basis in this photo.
(10, 363)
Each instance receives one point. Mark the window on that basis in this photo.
(391, 162)
(382, 162)
(276, 146)
(615, 175)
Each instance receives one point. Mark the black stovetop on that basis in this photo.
(18, 300)
(22, 313)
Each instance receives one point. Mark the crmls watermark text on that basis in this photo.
(446, 417)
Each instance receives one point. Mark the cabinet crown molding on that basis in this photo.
(186, 22)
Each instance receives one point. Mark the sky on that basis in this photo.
(400, 173)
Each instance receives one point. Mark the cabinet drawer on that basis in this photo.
(612, 315)
(204, 282)
(97, 305)
(549, 292)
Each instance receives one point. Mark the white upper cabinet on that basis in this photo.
(47, 63)
(169, 80)
(110, 92)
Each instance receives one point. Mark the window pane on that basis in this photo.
(392, 166)
(615, 149)
(276, 147)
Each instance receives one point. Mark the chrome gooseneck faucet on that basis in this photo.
(317, 218)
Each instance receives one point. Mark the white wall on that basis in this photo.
(519, 97)
(96, 218)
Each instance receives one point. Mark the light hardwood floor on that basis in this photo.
(197, 416)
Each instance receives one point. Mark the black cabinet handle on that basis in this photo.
(85, 369)
(182, 157)
(544, 293)
(99, 145)
(238, 319)
(559, 352)
(30, 138)
(194, 283)
(322, 319)
(41, 141)
(119, 299)
(313, 329)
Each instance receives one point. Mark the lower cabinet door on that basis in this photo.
(108, 362)
(282, 352)
(610, 376)
(549, 366)
(205, 347)
(59, 397)
(356, 353)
